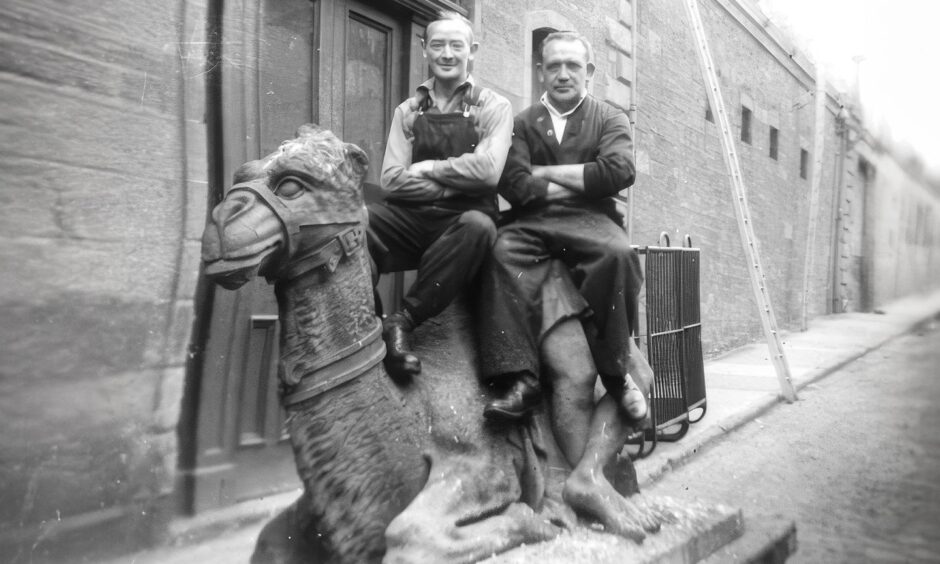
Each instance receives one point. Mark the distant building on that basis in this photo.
(132, 393)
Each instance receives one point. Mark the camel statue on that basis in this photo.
(392, 471)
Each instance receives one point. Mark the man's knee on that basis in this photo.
(479, 226)
(617, 252)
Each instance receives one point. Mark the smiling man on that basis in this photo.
(446, 150)
(570, 154)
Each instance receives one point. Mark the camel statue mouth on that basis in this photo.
(233, 273)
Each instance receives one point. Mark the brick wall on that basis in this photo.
(683, 186)
(93, 235)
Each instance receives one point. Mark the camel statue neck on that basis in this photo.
(326, 316)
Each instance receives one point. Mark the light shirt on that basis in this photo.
(475, 173)
(559, 120)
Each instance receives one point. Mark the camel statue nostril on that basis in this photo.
(232, 206)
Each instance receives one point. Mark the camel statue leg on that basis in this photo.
(592, 437)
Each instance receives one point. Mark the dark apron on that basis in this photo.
(441, 136)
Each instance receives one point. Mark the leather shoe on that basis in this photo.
(522, 398)
(400, 362)
(632, 400)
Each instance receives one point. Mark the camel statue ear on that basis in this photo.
(307, 128)
(357, 159)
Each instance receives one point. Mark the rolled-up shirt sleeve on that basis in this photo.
(397, 182)
(613, 169)
(518, 185)
(479, 171)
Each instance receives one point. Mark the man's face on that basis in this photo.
(564, 72)
(448, 50)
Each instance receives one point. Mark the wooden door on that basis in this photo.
(284, 63)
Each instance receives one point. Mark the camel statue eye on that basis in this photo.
(289, 188)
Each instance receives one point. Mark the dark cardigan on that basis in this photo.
(597, 135)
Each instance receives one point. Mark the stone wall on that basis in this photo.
(684, 188)
(899, 252)
(94, 223)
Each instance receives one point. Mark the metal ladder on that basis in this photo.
(758, 282)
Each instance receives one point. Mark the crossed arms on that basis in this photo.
(600, 168)
(475, 173)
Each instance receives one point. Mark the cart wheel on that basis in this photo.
(676, 435)
(635, 447)
(640, 444)
(703, 407)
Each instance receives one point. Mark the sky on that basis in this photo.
(891, 46)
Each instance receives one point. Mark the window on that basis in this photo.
(774, 140)
(804, 163)
(746, 124)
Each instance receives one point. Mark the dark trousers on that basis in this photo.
(603, 267)
(447, 246)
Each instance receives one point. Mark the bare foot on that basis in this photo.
(593, 496)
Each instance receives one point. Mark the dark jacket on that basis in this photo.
(597, 135)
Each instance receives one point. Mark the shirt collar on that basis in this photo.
(554, 111)
(428, 85)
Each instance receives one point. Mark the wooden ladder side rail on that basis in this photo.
(748, 238)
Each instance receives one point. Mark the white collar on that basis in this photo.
(554, 111)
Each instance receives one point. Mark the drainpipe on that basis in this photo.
(842, 125)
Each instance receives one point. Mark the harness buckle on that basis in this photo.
(350, 240)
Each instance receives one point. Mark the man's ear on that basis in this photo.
(473, 49)
(541, 75)
(590, 70)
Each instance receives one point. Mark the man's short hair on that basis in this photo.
(445, 15)
(567, 36)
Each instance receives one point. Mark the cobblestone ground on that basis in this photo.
(855, 462)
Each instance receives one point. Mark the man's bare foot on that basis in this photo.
(592, 496)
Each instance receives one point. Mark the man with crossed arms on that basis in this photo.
(570, 154)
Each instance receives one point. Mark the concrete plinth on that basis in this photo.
(694, 531)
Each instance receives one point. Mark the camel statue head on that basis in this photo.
(312, 182)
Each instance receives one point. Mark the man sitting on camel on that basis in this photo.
(570, 154)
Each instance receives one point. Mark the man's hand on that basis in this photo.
(421, 168)
(571, 176)
(558, 192)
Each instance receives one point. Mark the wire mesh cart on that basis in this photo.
(674, 341)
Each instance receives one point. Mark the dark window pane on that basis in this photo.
(745, 124)
(367, 93)
(774, 135)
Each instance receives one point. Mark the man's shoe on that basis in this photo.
(633, 401)
(400, 362)
(522, 398)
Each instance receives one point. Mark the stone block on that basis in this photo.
(197, 158)
(88, 271)
(197, 203)
(698, 531)
(618, 94)
(177, 343)
(623, 68)
(190, 261)
(625, 12)
(619, 36)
